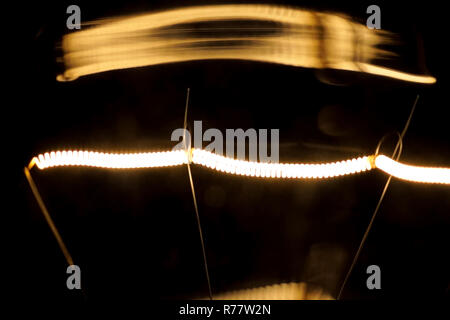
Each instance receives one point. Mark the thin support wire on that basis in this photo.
(194, 198)
(398, 148)
(48, 218)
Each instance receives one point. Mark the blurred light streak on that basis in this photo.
(281, 35)
(283, 291)
(386, 72)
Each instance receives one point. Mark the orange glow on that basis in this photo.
(283, 291)
(240, 167)
(200, 157)
(282, 35)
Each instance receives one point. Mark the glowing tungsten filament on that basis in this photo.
(279, 170)
(282, 291)
(413, 173)
(109, 160)
(241, 167)
(201, 157)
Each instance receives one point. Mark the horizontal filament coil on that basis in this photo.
(109, 160)
(241, 167)
(282, 291)
(200, 157)
(413, 173)
(279, 170)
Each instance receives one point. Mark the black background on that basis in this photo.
(134, 233)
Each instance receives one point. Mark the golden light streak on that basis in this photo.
(240, 167)
(281, 35)
(386, 72)
(283, 291)
(413, 173)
